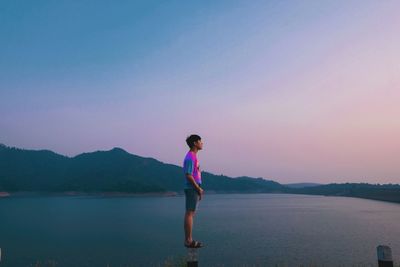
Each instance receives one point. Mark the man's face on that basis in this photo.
(198, 144)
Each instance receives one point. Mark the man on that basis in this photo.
(193, 191)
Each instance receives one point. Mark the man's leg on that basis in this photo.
(188, 225)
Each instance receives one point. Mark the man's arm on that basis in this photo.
(195, 185)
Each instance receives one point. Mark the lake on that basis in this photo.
(237, 229)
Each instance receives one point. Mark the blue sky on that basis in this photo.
(287, 90)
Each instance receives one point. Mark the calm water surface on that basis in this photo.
(238, 230)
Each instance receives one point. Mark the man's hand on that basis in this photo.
(200, 191)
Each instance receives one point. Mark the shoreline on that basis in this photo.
(78, 194)
(5, 194)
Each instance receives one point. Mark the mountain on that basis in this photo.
(301, 185)
(116, 170)
(107, 171)
(385, 192)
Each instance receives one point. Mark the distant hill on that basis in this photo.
(301, 185)
(107, 171)
(385, 192)
(116, 170)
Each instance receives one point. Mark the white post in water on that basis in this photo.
(384, 256)
(192, 259)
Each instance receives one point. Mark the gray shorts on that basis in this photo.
(192, 199)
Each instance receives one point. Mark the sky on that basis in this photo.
(291, 91)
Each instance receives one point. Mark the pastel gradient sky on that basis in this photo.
(291, 91)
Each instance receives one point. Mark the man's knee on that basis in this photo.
(190, 213)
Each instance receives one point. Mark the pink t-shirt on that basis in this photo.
(191, 166)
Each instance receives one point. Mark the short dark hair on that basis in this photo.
(190, 140)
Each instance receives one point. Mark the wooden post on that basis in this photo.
(384, 256)
(192, 259)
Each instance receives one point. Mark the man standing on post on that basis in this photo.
(193, 191)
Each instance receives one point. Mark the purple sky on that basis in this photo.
(292, 91)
